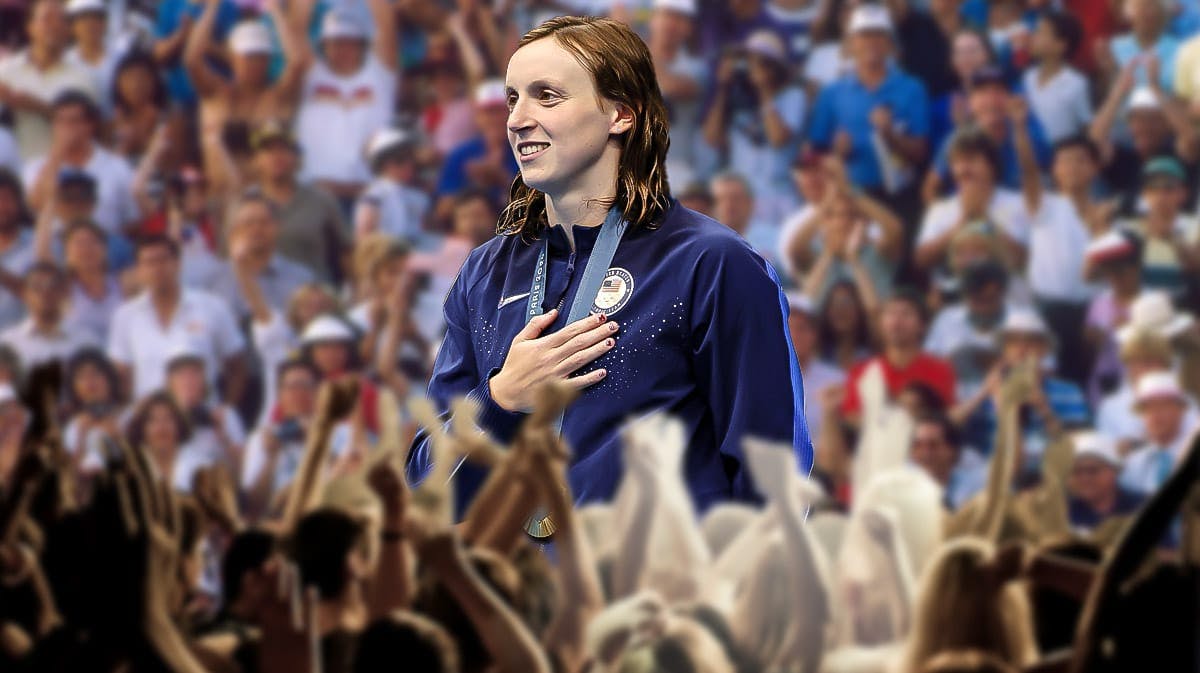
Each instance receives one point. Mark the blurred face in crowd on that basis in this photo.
(971, 170)
(331, 357)
(85, 250)
(251, 69)
(900, 325)
(840, 220)
(344, 55)
(255, 226)
(158, 269)
(1022, 347)
(842, 310)
(10, 210)
(871, 48)
(475, 221)
(161, 432)
(187, 385)
(446, 82)
(492, 121)
(71, 126)
(1163, 418)
(732, 204)
(276, 160)
(1124, 277)
(804, 334)
(672, 27)
(932, 452)
(297, 393)
(89, 28)
(43, 295)
(1074, 168)
(48, 27)
(967, 55)
(387, 275)
(556, 111)
(91, 385)
(986, 301)
(136, 84)
(1164, 198)
(74, 202)
(1046, 42)
(193, 200)
(1092, 480)
(810, 183)
(1145, 16)
(988, 105)
(1148, 130)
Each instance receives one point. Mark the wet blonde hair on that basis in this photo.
(622, 72)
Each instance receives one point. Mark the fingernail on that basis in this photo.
(602, 317)
(603, 373)
(612, 327)
(609, 343)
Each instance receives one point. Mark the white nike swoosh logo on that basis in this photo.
(508, 300)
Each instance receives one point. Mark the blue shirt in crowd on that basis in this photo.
(703, 336)
(454, 178)
(170, 16)
(1010, 168)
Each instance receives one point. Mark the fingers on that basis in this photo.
(573, 362)
(534, 327)
(589, 379)
(576, 328)
(589, 337)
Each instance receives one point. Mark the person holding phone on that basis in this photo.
(600, 280)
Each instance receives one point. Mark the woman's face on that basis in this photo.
(90, 384)
(558, 127)
(161, 433)
(10, 209)
(136, 84)
(187, 385)
(843, 311)
(84, 251)
(344, 55)
(968, 54)
(331, 357)
(388, 275)
(297, 393)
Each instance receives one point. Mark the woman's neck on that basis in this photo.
(585, 208)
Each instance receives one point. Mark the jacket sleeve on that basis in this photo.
(744, 361)
(456, 373)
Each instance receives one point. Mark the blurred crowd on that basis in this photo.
(227, 228)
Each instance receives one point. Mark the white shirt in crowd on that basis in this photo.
(273, 341)
(1147, 468)
(34, 348)
(115, 205)
(1117, 418)
(255, 460)
(1057, 236)
(401, 208)
(16, 260)
(102, 74)
(337, 117)
(137, 339)
(92, 316)
(18, 72)
(826, 63)
(794, 224)
(1063, 104)
(1006, 210)
(204, 449)
(766, 167)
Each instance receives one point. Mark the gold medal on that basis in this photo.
(540, 526)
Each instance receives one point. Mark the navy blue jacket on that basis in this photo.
(703, 335)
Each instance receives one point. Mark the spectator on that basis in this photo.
(94, 291)
(1162, 406)
(876, 119)
(40, 338)
(734, 205)
(92, 51)
(139, 103)
(485, 161)
(159, 428)
(33, 78)
(448, 118)
(147, 327)
(1057, 92)
(970, 51)
(1171, 239)
(1157, 127)
(755, 118)
(1115, 259)
(393, 204)
(966, 333)
(682, 76)
(93, 391)
(16, 247)
(174, 22)
(254, 249)
(923, 46)
(819, 375)
(1096, 494)
(313, 231)
(348, 94)
(216, 436)
(902, 323)
(1147, 42)
(845, 326)
(830, 56)
(937, 449)
(75, 134)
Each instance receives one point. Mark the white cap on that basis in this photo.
(387, 139)
(1089, 444)
(870, 18)
(7, 394)
(1144, 98)
(1111, 244)
(800, 303)
(337, 25)
(1153, 312)
(768, 44)
(687, 7)
(491, 92)
(76, 7)
(183, 350)
(326, 328)
(1024, 321)
(251, 37)
(1156, 386)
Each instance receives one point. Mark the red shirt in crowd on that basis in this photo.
(933, 372)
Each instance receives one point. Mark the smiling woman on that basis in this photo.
(628, 297)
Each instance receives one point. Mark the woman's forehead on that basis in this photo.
(544, 61)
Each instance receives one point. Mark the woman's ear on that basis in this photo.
(622, 119)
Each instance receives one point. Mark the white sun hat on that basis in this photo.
(1153, 312)
(326, 328)
(251, 37)
(1090, 444)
